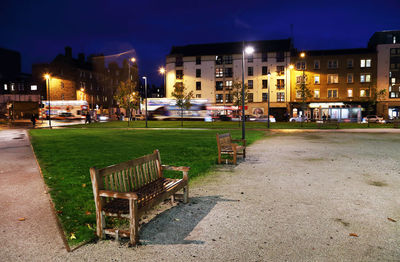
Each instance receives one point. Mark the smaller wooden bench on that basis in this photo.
(328, 124)
(126, 190)
(396, 123)
(225, 146)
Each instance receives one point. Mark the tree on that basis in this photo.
(127, 94)
(237, 95)
(182, 98)
(373, 97)
(305, 93)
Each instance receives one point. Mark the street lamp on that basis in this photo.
(47, 77)
(248, 50)
(162, 71)
(133, 60)
(145, 95)
(268, 105)
(303, 83)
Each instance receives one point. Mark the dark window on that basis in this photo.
(198, 72)
(250, 58)
(265, 84)
(264, 97)
(228, 59)
(250, 97)
(228, 98)
(198, 85)
(280, 70)
(228, 72)
(250, 71)
(280, 83)
(250, 84)
(179, 61)
(265, 70)
(218, 60)
(219, 98)
(264, 57)
(280, 57)
(219, 85)
(179, 74)
(198, 60)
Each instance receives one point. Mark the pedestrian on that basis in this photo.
(87, 120)
(33, 119)
(324, 118)
(329, 117)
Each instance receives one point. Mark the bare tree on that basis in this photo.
(182, 98)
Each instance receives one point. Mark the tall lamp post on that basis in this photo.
(130, 85)
(303, 83)
(162, 71)
(268, 105)
(248, 50)
(47, 77)
(145, 95)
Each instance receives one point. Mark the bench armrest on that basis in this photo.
(184, 169)
(114, 194)
(240, 140)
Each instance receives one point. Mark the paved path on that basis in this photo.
(22, 195)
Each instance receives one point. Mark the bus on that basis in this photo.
(166, 109)
(64, 109)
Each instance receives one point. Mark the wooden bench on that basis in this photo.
(127, 189)
(225, 146)
(328, 124)
(396, 123)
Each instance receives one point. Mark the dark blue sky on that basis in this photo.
(40, 30)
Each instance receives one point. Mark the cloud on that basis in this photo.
(241, 23)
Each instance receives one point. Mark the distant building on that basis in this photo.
(210, 70)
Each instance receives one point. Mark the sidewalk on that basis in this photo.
(28, 228)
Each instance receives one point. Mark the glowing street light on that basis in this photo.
(47, 77)
(291, 66)
(162, 71)
(248, 50)
(302, 54)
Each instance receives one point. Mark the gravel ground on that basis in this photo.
(298, 197)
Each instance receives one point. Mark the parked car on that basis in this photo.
(64, 116)
(264, 118)
(373, 119)
(299, 119)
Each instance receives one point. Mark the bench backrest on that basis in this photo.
(224, 140)
(130, 175)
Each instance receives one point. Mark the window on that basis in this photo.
(316, 93)
(280, 56)
(198, 85)
(20, 87)
(228, 59)
(198, 72)
(219, 72)
(250, 97)
(350, 63)
(280, 97)
(394, 39)
(264, 97)
(179, 74)
(198, 60)
(219, 85)
(264, 57)
(280, 83)
(350, 78)
(198, 95)
(250, 58)
(299, 79)
(250, 71)
(228, 98)
(364, 92)
(62, 84)
(229, 84)
(228, 72)
(349, 92)
(5, 87)
(250, 84)
(218, 60)
(33, 88)
(280, 70)
(393, 81)
(316, 64)
(365, 78)
(62, 96)
(298, 94)
(333, 79)
(332, 93)
(265, 70)
(264, 84)
(365, 63)
(301, 65)
(316, 80)
(332, 64)
(219, 98)
(179, 61)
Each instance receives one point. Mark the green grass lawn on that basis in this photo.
(65, 156)
(224, 125)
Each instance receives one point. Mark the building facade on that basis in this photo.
(211, 71)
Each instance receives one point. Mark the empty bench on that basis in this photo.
(128, 189)
(226, 147)
(329, 124)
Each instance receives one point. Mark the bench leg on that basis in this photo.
(244, 153)
(219, 158)
(100, 224)
(186, 194)
(172, 199)
(134, 222)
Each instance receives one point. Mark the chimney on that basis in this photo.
(81, 57)
(68, 52)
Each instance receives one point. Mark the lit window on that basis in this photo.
(393, 81)
(316, 79)
(316, 93)
(365, 63)
(394, 39)
(5, 87)
(365, 78)
(349, 92)
(33, 87)
(280, 83)
(219, 98)
(333, 79)
(219, 72)
(228, 98)
(280, 97)
(12, 87)
(280, 70)
(316, 64)
(299, 79)
(229, 84)
(364, 92)
(298, 94)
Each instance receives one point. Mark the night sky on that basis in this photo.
(40, 30)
